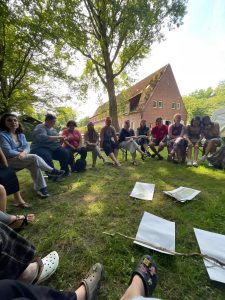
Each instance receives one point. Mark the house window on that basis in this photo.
(178, 105)
(154, 104)
(160, 104)
(173, 105)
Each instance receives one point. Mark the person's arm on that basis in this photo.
(41, 135)
(170, 134)
(217, 129)
(186, 135)
(6, 145)
(3, 159)
(182, 131)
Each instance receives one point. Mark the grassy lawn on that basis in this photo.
(72, 221)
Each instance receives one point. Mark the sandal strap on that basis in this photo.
(40, 269)
(149, 277)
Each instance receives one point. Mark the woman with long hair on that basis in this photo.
(16, 149)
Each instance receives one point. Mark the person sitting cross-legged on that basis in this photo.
(108, 141)
(91, 140)
(159, 137)
(127, 141)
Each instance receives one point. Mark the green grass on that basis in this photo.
(81, 208)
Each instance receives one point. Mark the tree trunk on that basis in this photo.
(111, 93)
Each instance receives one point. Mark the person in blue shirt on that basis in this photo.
(16, 149)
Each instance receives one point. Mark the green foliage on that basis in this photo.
(115, 35)
(83, 122)
(64, 114)
(205, 102)
(27, 40)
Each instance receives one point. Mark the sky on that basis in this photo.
(195, 51)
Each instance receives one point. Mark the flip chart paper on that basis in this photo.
(143, 191)
(156, 231)
(182, 193)
(212, 244)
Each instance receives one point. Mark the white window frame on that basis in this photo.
(178, 105)
(161, 104)
(173, 105)
(154, 102)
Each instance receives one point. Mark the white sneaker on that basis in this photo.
(189, 163)
(202, 158)
(195, 163)
(210, 165)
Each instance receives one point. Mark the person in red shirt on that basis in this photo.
(73, 142)
(159, 134)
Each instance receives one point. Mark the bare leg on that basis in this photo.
(3, 199)
(196, 153)
(189, 152)
(135, 289)
(113, 158)
(81, 293)
(152, 147)
(29, 273)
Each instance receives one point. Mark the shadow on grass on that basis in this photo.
(81, 208)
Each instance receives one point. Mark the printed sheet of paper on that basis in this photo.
(143, 191)
(182, 193)
(212, 244)
(156, 231)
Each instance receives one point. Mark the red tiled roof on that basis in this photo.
(144, 87)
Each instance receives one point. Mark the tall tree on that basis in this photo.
(116, 34)
(26, 50)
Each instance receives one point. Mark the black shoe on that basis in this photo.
(56, 173)
(43, 193)
(153, 155)
(160, 157)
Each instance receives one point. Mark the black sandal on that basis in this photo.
(92, 281)
(147, 271)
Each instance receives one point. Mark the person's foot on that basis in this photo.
(56, 173)
(134, 163)
(153, 155)
(67, 174)
(210, 165)
(22, 204)
(17, 222)
(189, 163)
(43, 193)
(92, 281)
(203, 158)
(147, 271)
(195, 163)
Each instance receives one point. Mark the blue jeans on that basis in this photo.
(59, 154)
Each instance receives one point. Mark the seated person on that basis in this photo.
(15, 222)
(73, 142)
(126, 141)
(18, 260)
(110, 146)
(16, 149)
(46, 144)
(176, 143)
(211, 133)
(91, 140)
(159, 137)
(193, 135)
(10, 183)
(143, 134)
(142, 284)
(217, 159)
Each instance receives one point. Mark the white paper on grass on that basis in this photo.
(182, 193)
(143, 191)
(212, 244)
(156, 231)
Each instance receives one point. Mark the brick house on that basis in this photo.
(155, 96)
